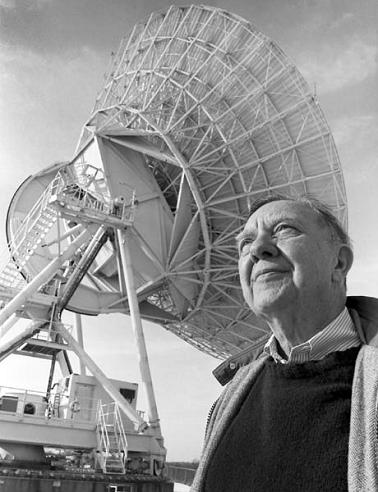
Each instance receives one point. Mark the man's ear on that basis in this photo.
(343, 263)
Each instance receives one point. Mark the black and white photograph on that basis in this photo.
(188, 261)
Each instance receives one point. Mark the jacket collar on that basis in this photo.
(363, 310)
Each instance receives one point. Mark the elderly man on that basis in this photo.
(301, 415)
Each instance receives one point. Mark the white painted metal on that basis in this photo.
(111, 438)
(20, 428)
(34, 430)
(43, 277)
(8, 347)
(153, 416)
(127, 409)
(5, 327)
(199, 93)
(200, 114)
(80, 339)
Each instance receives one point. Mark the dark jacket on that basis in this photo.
(363, 437)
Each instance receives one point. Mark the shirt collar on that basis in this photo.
(338, 335)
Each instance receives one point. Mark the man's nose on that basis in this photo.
(263, 247)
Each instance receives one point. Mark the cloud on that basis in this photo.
(351, 65)
(27, 75)
(355, 137)
(356, 140)
(344, 18)
(357, 145)
(8, 4)
(45, 101)
(362, 279)
(346, 129)
(24, 4)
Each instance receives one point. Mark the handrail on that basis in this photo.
(32, 217)
(13, 401)
(103, 431)
(109, 419)
(87, 176)
(69, 192)
(65, 189)
(24, 239)
(121, 433)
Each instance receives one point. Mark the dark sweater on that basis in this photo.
(291, 432)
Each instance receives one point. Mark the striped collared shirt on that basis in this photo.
(339, 335)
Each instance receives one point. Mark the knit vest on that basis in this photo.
(291, 432)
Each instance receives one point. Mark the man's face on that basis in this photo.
(286, 259)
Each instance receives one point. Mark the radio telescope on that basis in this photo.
(200, 114)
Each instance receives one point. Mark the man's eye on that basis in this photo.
(245, 247)
(284, 228)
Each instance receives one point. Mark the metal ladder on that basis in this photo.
(56, 405)
(33, 228)
(62, 196)
(27, 238)
(111, 439)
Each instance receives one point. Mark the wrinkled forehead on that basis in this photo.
(273, 212)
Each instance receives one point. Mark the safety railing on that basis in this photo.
(49, 330)
(103, 442)
(74, 187)
(58, 406)
(25, 240)
(120, 431)
(11, 276)
(103, 439)
(70, 194)
(112, 442)
(87, 176)
(33, 228)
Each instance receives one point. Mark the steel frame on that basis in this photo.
(212, 104)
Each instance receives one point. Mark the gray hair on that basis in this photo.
(338, 233)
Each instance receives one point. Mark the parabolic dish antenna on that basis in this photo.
(200, 114)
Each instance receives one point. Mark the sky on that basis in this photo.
(53, 56)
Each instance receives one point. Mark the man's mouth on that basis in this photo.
(266, 272)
